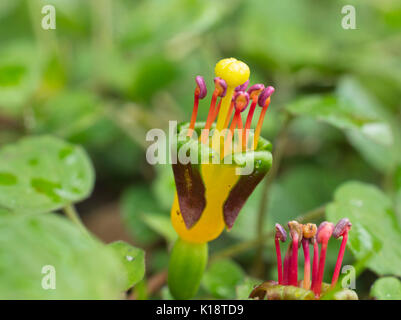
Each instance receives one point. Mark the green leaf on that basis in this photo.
(298, 190)
(386, 288)
(368, 207)
(367, 126)
(222, 278)
(69, 114)
(162, 225)
(42, 174)
(363, 244)
(398, 205)
(19, 75)
(136, 203)
(133, 260)
(244, 289)
(164, 186)
(84, 269)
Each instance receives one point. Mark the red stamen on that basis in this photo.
(280, 235)
(341, 229)
(323, 235)
(260, 123)
(315, 264)
(320, 274)
(308, 232)
(287, 265)
(305, 247)
(200, 93)
(293, 276)
(296, 234)
(279, 263)
(339, 260)
(264, 101)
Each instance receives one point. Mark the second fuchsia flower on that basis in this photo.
(312, 285)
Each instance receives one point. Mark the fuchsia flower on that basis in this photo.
(288, 285)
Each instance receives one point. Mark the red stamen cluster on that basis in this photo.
(309, 234)
(257, 93)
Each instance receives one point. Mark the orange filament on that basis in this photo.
(260, 122)
(229, 138)
(237, 122)
(230, 112)
(210, 117)
(248, 122)
(216, 112)
(194, 113)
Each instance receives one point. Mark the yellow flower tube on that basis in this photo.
(211, 188)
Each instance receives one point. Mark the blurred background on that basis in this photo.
(112, 70)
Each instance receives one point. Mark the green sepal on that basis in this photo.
(186, 267)
(270, 290)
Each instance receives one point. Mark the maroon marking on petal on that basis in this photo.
(238, 196)
(190, 191)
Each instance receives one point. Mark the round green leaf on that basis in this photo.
(42, 174)
(372, 214)
(133, 260)
(222, 278)
(387, 288)
(34, 248)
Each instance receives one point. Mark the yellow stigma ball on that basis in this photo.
(233, 71)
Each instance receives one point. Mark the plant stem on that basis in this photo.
(277, 157)
(246, 245)
(73, 215)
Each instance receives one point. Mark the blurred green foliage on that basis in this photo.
(113, 69)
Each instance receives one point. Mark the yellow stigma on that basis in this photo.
(233, 71)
